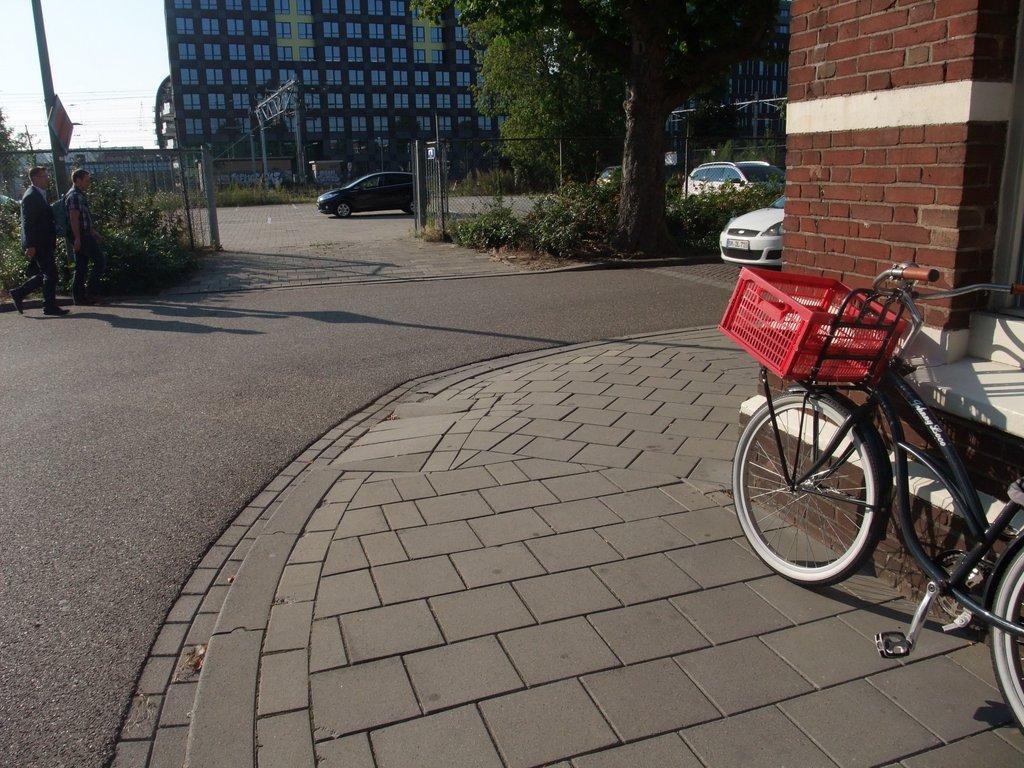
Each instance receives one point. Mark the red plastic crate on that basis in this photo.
(783, 320)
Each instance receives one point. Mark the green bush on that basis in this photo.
(697, 220)
(578, 218)
(497, 227)
(238, 195)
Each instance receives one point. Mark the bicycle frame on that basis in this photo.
(950, 471)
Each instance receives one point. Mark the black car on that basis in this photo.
(376, 192)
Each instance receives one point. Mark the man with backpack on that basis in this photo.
(88, 256)
(39, 241)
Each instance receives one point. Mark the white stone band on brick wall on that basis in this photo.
(942, 104)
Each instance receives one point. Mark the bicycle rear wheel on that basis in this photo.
(1007, 650)
(822, 531)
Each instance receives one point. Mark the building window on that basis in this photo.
(216, 123)
(313, 125)
(183, 5)
(422, 78)
(398, 31)
(258, 5)
(284, 75)
(239, 77)
(358, 124)
(353, 6)
(261, 52)
(380, 101)
(187, 51)
(184, 26)
(375, 7)
(329, 6)
(282, 6)
(399, 55)
(376, 31)
(419, 34)
(436, 35)
(335, 101)
(465, 101)
(211, 51)
(378, 77)
(355, 53)
(312, 100)
(260, 28)
(193, 126)
(462, 79)
(401, 100)
(399, 77)
(215, 101)
(215, 77)
(332, 52)
(461, 35)
(263, 76)
(240, 101)
(285, 53)
(333, 77)
(444, 124)
(208, 5)
(303, 7)
(311, 77)
(380, 124)
(305, 31)
(331, 29)
(437, 57)
(444, 101)
(236, 27)
(377, 55)
(284, 29)
(423, 123)
(422, 101)
(443, 79)
(307, 53)
(232, 5)
(211, 27)
(462, 56)
(357, 101)
(336, 124)
(236, 51)
(397, 8)
(356, 77)
(190, 102)
(353, 30)
(419, 56)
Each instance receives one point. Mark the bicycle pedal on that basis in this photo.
(892, 645)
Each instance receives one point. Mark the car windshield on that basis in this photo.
(780, 203)
(760, 173)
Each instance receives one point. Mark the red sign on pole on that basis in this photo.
(60, 124)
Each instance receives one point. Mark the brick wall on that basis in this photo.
(841, 47)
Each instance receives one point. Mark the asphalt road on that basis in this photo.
(132, 434)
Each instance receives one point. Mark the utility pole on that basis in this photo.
(60, 171)
(300, 116)
(252, 150)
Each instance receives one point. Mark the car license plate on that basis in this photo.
(742, 245)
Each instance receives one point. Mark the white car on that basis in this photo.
(755, 238)
(712, 176)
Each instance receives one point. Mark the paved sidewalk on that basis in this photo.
(533, 562)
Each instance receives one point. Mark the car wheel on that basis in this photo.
(343, 211)
(410, 208)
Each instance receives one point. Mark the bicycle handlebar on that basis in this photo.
(920, 274)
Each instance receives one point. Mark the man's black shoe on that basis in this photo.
(17, 303)
(55, 311)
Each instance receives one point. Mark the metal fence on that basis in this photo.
(461, 178)
(172, 177)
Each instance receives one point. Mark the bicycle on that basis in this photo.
(813, 474)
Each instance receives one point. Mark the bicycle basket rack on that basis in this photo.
(813, 329)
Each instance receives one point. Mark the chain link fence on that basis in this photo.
(172, 177)
(461, 178)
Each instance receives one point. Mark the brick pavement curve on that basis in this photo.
(532, 562)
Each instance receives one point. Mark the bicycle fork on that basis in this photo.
(896, 645)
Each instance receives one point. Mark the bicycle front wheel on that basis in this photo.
(820, 530)
(1008, 650)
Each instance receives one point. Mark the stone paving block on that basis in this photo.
(412, 487)
(311, 547)
(652, 461)
(713, 470)
(577, 549)
(590, 433)
(508, 527)
(542, 469)
(799, 604)
(632, 480)
(201, 630)
(702, 447)
(828, 652)
(143, 711)
(326, 518)
(168, 641)
(976, 659)
(633, 406)
(944, 697)
(556, 650)
(374, 495)
(561, 595)
(558, 430)
(178, 704)
(506, 473)
(640, 579)
(666, 751)
(455, 739)
(375, 456)
(403, 515)
(345, 592)
(640, 504)
(983, 749)
(344, 555)
(285, 741)
(326, 649)
(730, 613)
(551, 449)
(647, 631)
(169, 748)
(439, 539)
(415, 579)
(694, 428)
(607, 456)
(858, 726)
(507, 498)
(693, 498)
(460, 480)
(461, 672)
(131, 754)
(480, 612)
(289, 627)
(706, 525)
(283, 682)
(651, 441)
(576, 515)
(357, 698)
(594, 415)
(644, 422)
(349, 752)
(496, 564)
(456, 506)
(643, 537)
(545, 724)
(743, 675)
(360, 522)
(389, 631)
(383, 548)
(650, 698)
(583, 486)
(764, 738)
(155, 675)
(440, 461)
(553, 412)
(719, 562)
(184, 608)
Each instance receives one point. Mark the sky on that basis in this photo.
(108, 58)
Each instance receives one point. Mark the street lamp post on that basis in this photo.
(60, 171)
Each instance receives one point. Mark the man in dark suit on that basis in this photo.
(39, 240)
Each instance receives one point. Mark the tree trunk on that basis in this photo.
(641, 227)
